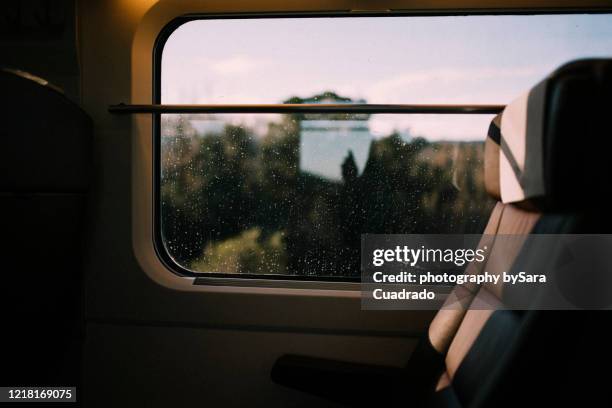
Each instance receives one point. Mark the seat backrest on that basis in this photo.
(428, 359)
(46, 149)
(500, 357)
(505, 219)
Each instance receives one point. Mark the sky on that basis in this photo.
(411, 60)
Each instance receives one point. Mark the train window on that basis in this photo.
(289, 195)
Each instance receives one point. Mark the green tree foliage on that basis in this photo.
(232, 202)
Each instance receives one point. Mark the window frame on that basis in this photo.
(275, 280)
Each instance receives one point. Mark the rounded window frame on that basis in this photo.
(176, 276)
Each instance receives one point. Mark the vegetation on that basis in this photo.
(237, 203)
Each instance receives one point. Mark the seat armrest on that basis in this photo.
(354, 384)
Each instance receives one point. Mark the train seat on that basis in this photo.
(46, 148)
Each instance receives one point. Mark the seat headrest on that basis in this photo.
(549, 149)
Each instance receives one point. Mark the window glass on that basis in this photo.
(291, 194)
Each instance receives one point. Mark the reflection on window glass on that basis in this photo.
(292, 194)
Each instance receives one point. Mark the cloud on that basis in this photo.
(456, 74)
(236, 65)
(442, 82)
